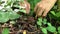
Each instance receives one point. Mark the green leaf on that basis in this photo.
(5, 31)
(58, 14)
(51, 29)
(44, 21)
(39, 22)
(23, 11)
(4, 17)
(17, 6)
(49, 24)
(59, 30)
(44, 30)
(52, 12)
(13, 15)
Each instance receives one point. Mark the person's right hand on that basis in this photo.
(26, 5)
(43, 7)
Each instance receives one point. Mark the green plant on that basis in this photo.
(59, 30)
(10, 10)
(5, 31)
(7, 12)
(41, 22)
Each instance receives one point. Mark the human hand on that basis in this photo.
(43, 7)
(26, 5)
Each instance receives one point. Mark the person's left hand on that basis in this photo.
(26, 5)
(43, 7)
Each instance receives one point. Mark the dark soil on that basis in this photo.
(27, 23)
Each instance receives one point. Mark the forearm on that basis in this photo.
(25, 0)
(50, 0)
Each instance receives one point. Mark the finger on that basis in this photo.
(40, 11)
(28, 8)
(45, 12)
(36, 7)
